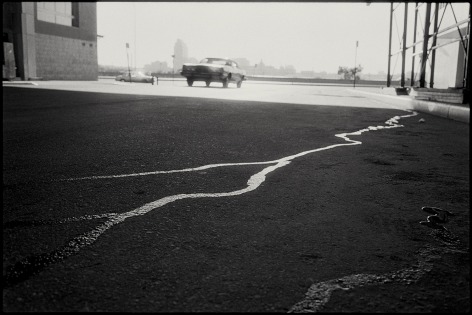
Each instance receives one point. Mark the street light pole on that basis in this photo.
(389, 79)
(355, 62)
(127, 57)
(134, 7)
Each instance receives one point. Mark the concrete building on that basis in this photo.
(50, 40)
(180, 54)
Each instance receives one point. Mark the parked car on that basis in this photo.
(136, 76)
(214, 70)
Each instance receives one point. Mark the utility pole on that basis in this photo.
(355, 62)
(127, 57)
(390, 46)
(134, 7)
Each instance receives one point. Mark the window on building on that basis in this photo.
(64, 13)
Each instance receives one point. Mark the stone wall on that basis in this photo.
(61, 58)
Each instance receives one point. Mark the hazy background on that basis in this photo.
(309, 36)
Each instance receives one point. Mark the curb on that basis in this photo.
(449, 111)
(19, 83)
(459, 113)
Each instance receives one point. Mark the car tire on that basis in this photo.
(122, 80)
(225, 82)
(189, 82)
(207, 83)
(239, 83)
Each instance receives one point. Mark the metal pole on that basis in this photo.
(402, 81)
(433, 53)
(355, 62)
(390, 45)
(468, 68)
(134, 6)
(412, 80)
(424, 58)
(127, 57)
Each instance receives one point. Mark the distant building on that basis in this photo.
(307, 74)
(180, 54)
(157, 67)
(244, 64)
(50, 40)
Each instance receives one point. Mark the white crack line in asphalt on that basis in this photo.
(319, 293)
(253, 183)
(392, 123)
(31, 265)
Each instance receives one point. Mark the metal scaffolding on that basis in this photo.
(429, 40)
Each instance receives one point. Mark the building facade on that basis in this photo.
(50, 40)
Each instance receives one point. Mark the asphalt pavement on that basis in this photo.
(141, 198)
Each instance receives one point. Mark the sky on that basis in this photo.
(310, 36)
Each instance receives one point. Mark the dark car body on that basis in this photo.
(214, 70)
(136, 76)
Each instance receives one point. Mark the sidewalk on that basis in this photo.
(459, 112)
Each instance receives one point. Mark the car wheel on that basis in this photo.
(189, 82)
(208, 83)
(239, 83)
(122, 80)
(225, 82)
